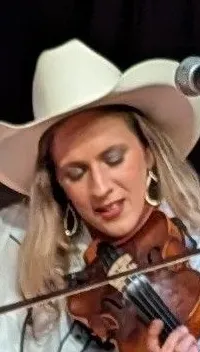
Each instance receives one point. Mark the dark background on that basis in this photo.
(125, 31)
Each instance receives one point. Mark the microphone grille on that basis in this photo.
(185, 75)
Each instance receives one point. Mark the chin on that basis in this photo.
(119, 229)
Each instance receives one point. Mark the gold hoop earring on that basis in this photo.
(152, 181)
(70, 232)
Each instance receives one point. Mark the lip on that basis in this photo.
(110, 210)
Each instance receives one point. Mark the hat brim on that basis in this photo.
(154, 93)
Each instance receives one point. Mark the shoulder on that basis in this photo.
(13, 222)
(195, 234)
(12, 229)
(15, 215)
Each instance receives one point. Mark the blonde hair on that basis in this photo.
(42, 254)
(178, 181)
(45, 250)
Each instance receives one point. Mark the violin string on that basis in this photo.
(163, 311)
(158, 301)
(147, 298)
(144, 308)
(156, 308)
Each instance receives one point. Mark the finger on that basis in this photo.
(187, 344)
(174, 339)
(153, 336)
(194, 348)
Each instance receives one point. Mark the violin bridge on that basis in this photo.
(124, 263)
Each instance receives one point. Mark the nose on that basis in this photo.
(100, 183)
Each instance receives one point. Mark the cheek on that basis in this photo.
(78, 195)
(134, 175)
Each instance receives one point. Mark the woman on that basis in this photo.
(104, 151)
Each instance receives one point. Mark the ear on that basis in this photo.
(149, 157)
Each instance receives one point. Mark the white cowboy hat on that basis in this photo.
(71, 78)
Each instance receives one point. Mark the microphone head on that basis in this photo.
(187, 76)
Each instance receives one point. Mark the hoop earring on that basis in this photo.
(70, 232)
(152, 182)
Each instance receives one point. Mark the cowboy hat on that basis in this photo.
(73, 77)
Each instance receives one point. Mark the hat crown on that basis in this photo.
(68, 76)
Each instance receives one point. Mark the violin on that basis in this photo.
(125, 286)
(121, 311)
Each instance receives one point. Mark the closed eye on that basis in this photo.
(114, 155)
(74, 173)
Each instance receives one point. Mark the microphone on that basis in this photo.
(187, 76)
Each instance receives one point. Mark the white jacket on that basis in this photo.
(12, 229)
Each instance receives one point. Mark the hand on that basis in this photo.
(180, 340)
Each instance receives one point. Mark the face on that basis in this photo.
(102, 167)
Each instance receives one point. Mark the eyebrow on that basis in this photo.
(101, 155)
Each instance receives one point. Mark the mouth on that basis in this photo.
(110, 211)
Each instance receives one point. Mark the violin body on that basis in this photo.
(112, 317)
